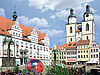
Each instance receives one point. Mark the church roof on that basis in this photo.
(5, 25)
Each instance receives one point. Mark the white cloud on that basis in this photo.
(52, 17)
(62, 14)
(53, 32)
(33, 21)
(56, 4)
(2, 12)
(79, 11)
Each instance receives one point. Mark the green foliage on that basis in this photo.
(58, 70)
(16, 69)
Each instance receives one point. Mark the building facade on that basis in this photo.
(94, 53)
(71, 51)
(27, 42)
(62, 54)
(83, 54)
(80, 31)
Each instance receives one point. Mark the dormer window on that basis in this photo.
(69, 44)
(3, 30)
(25, 37)
(74, 44)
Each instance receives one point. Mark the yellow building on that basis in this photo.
(82, 51)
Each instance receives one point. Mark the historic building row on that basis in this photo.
(81, 52)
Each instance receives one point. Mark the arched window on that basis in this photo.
(87, 27)
(70, 29)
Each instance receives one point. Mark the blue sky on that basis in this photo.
(50, 15)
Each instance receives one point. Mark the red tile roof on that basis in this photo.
(83, 42)
(5, 25)
(71, 45)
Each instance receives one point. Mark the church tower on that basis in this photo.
(71, 27)
(88, 25)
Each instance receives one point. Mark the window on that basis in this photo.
(21, 42)
(97, 55)
(3, 30)
(78, 51)
(25, 37)
(44, 48)
(71, 39)
(96, 50)
(84, 56)
(87, 51)
(70, 29)
(81, 56)
(34, 47)
(84, 51)
(87, 27)
(91, 56)
(87, 37)
(87, 56)
(81, 47)
(91, 50)
(94, 56)
(81, 51)
(19, 35)
(14, 33)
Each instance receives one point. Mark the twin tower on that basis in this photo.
(80, 31)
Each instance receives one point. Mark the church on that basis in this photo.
(80, 31)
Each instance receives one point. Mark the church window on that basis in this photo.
(87, 37)
(70, 29)
(87, 27)
(71, 39)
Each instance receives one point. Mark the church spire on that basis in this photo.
(14, 14)
(71, 13)
(88, 11)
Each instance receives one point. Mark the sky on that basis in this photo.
(50, 15)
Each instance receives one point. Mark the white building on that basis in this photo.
(94, 53)
(28, 42)
(80, 31)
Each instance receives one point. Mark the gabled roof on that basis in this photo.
(5, 25)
